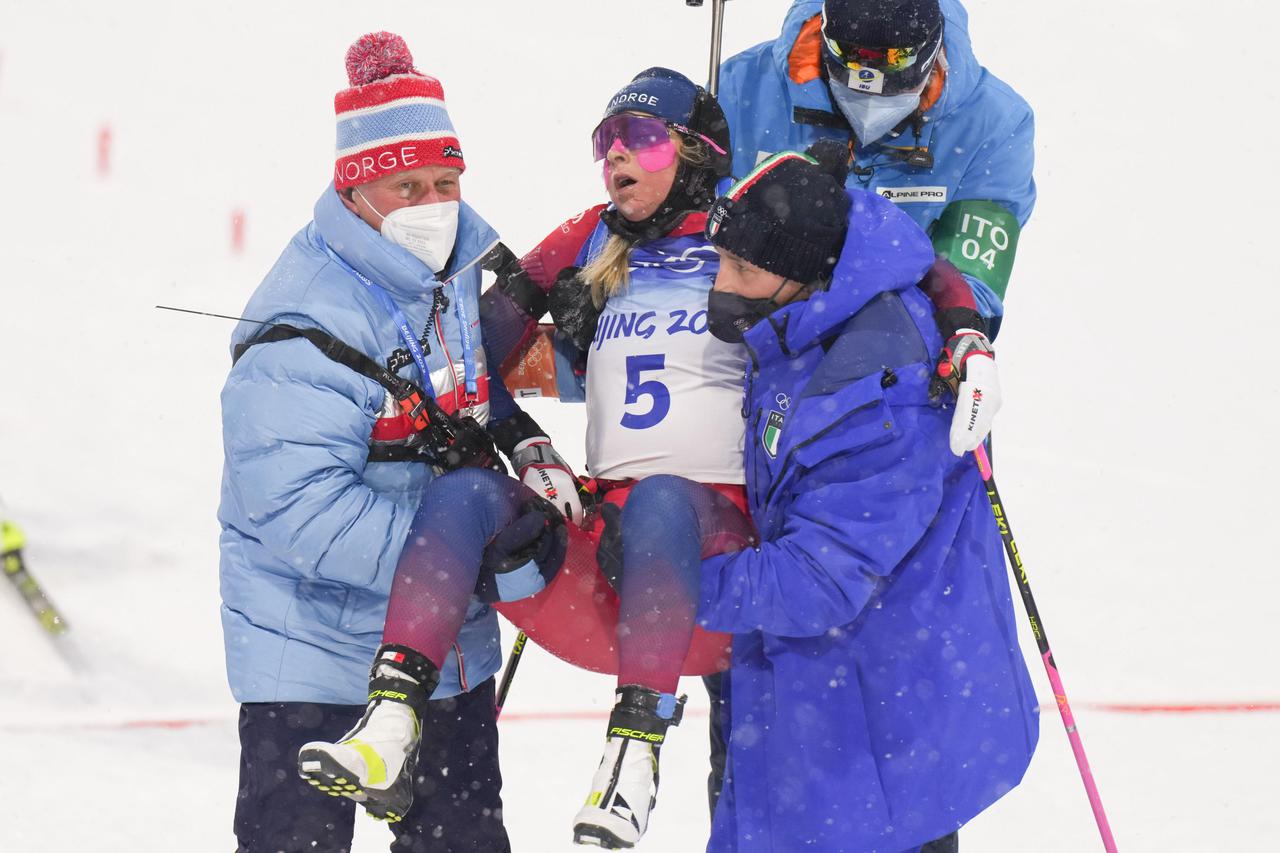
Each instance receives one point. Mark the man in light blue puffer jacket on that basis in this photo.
(319, 491)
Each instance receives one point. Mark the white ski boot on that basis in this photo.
(373, 763)
(625, 788)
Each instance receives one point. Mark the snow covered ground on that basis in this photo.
(1134, 450)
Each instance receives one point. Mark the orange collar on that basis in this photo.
(937, 80)
(804, 63)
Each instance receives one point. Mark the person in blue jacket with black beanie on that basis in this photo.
(926, 127)
(360, 376)
(878, 698)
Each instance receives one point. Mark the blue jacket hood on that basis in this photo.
(883, 251)
(963, 70)
(980, 132)
(292, 292)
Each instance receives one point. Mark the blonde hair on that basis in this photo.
(609, 271)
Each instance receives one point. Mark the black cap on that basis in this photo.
(880, 25)
(683, 104)
(694, 114)
(789, 216)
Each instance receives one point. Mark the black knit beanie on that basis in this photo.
(916, 25)
(789, 216)
(881, 23)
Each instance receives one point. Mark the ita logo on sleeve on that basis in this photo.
(772, 433)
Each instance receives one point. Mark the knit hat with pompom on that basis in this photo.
(392, 118)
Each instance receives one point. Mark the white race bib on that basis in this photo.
(664, 395)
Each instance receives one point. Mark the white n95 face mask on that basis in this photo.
(428, 231)
(872, 116)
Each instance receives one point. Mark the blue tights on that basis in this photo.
(668, 525)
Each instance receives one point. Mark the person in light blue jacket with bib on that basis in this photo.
(361, 343)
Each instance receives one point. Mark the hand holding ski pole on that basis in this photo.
(537, 535)
(968, 367)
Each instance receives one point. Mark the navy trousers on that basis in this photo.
(457, 803)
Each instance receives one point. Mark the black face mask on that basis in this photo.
(729, 315)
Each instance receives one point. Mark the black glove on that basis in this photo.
(572, 309)
(833, 156)
(515, 282)
(538, 533)
(609, 550)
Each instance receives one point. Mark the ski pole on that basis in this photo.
(717, 35)
(15, 569)
(1046, 655)
(508, 674)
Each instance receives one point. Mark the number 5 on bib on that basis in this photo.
(637, 389)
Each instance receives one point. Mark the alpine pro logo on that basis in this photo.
(909, 195)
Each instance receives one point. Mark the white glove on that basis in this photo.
(968, 367)
(542, 469)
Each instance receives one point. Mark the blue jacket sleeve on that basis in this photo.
(1002, 173)
(840, 541)
(504, 327)
(296, 431)
(501, 404)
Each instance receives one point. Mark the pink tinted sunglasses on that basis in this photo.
(644, 136)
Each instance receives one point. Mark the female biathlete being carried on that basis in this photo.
(630, 285)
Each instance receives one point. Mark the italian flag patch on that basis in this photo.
(772, 433)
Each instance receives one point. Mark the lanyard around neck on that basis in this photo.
(411, 340)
